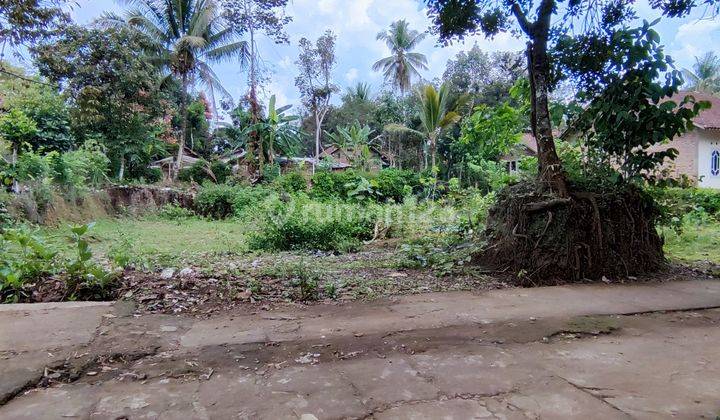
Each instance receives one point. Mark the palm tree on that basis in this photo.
(402, 65)
(360, 92)
(705, 75)
(183, 37)
(437, 113)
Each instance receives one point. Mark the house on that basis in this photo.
(526, 147)
(167, 165)
(345, 158)
(699, 150)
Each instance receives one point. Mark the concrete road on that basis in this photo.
(643, 351)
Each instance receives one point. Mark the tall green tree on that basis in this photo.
(253, 18)
(24, 22)
(43, 104)
(436, 114)
(543, 23)
(705, 74)
(403, 64)
(184, 37)
(486, 77)
(316, 62)
(113, 92)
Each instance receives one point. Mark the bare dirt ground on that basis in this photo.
(596, 351)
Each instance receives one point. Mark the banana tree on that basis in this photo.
(278, 132)
(354, 140)
(437, 114)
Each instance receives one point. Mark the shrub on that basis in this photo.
(675, 203)
(216, 201)
(196, 172)
(291, 182)
(25, 257)
(270, 172)
(304, 224)
(200, 172)
(221, 170)
(246, 197)
(175, 212)
(328, 184)
(395, 183)
(31, 166)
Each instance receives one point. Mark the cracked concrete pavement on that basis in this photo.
(638, 351)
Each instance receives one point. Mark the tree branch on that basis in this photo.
(522, 19)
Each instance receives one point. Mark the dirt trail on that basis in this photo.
(644, 351)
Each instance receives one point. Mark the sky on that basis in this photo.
(356, 23)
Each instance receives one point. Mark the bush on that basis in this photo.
(216, 201)
(175, 212)
(291, 182)
(395, 183)
(221, 201)
(221, 170)
(328, 184)
(196, 172)
(305, 224)
(246, 197)
(25, 257)
(674, 203)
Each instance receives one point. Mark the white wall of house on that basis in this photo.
(707, 151)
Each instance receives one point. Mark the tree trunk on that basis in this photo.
(433, 148)
(256, 145)
(15, 185)
(121, 172)
(318, 125)
(183, 126)
(550, 168)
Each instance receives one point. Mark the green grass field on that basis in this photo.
(159, 242)
(697, 242)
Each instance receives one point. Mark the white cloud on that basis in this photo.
(351, 75)
(693, 39)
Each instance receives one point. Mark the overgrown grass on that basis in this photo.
(697, 241)
(154, 241)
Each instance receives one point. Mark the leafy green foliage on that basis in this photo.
(630, 110)
(175, 212)
(489, 133)
(46, 107)
(675, 203)
(84, 276)
(17, 128)
(396, 184)
(330, 184)
(216, 201)
(304, 224)
(222, 201)
(291, 182)
(114, 95)
(25, 257)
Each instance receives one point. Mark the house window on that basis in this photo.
(715, 163)
(511, 166)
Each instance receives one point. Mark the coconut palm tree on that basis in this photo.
(705, 75)
(359, 92)
(403, 64)
(437, 113)
(183, 37)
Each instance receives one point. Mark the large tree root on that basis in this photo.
(551, 240)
